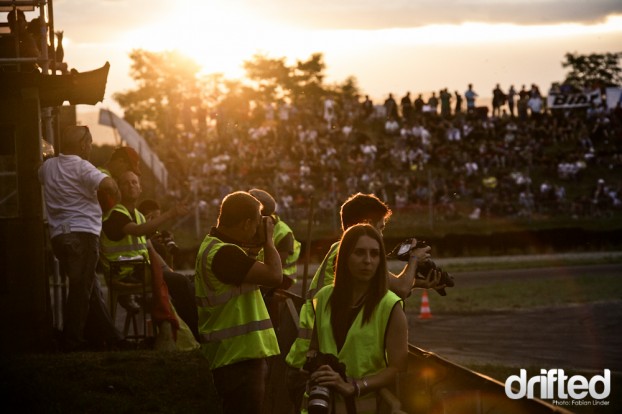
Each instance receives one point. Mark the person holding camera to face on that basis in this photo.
(234, 325)
(362, 323)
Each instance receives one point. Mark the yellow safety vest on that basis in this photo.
(129, 246)
(363, 351)
(324, 276)
(233, 320)
(281, 229)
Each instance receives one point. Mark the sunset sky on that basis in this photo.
(388, 45)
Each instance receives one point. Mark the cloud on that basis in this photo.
(98, 20)
(382, 14)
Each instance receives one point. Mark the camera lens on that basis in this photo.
(319, 400)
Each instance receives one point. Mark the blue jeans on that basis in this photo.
(85, 309)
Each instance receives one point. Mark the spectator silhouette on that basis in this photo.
(391, 107)
(498, 100)
(70, 184)
(470, 97)
(407, 107)
(20, 43)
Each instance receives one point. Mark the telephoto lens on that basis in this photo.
(319, 400)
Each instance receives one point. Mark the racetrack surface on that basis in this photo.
(573, 336)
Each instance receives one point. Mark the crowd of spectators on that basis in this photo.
(472, 163)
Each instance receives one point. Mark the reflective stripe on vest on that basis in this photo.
(233, 320)
(128, 246)
(305, 333)
(237, 330)
(220, 299)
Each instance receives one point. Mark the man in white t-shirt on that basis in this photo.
(70, 185)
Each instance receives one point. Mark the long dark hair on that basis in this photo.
(341, 296)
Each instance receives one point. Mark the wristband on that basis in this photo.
(357, 390)
(365, 385)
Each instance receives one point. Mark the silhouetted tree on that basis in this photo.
(596, 69)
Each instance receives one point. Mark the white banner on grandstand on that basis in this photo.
(614, 97)
(574, 100)
(136, 141)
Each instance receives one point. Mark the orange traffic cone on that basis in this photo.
(425, 312)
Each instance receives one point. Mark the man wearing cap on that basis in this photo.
(70, 185)
(122, 159)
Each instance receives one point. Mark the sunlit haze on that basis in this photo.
(448, 44)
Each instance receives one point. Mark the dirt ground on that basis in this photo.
(578, 336)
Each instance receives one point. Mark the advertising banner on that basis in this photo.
(574, 100)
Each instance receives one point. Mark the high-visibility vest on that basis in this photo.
(281, 229)
(363, 351)
(234, 323)
(324, 276)
(128, 246)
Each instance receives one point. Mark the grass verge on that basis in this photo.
(515, 295)
(108, 383)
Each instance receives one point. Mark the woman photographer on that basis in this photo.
(361, 322)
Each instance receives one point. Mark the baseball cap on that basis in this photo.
(266, 200)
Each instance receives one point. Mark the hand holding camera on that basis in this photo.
(263, 235)
(268, 228)
(419, 250)
(427, 271)
(327, 375)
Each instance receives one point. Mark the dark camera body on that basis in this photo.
(165, 238)
(260, 238)
(320, 397)
(402, 252)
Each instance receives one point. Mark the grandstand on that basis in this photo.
(467, 168)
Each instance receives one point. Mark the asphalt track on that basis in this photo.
(573, 336)
(579, 336)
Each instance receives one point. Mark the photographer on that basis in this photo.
(359, 208)
(362, 323)
(234, 324)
